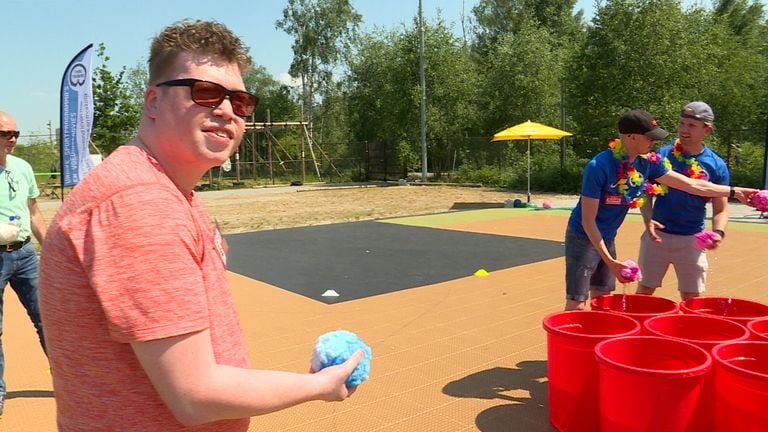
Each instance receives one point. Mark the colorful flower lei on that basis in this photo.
(693, 169)
(627, 175)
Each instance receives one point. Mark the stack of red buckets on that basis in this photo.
(647, 363)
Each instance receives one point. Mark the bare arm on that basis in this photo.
(197, 390)
(650, 225)
(37, 221)
(589, 207)
(704, 188)
(647, 210)
(720, 215)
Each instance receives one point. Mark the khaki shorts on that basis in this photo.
(679, 250)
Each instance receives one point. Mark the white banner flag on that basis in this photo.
(76, 118)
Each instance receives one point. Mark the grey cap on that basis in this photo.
(698, 111)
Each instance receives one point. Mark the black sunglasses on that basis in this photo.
(210, 94)
(9, 134)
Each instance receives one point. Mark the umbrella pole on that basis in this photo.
(529, 170)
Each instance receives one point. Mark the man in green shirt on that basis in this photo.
(20, 218)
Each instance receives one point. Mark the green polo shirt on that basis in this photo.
(17, 186)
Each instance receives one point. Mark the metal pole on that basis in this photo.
(765, 153)
(423, 83)
(562, 125)
(529, 170)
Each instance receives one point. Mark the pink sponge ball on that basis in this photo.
(631, 272)
(546, 204)
(705, 239)
(760, 200)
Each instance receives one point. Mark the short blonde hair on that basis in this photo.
(199, 37)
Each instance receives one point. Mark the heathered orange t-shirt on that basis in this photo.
(128, 258)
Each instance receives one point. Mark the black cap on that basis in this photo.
(641, 122)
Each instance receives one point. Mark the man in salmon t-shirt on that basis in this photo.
(141, 328)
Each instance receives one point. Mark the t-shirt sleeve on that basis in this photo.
(592, 180)
(723, 176)
(143, 260)
(656, 167)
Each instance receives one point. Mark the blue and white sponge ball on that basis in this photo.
(335, 348)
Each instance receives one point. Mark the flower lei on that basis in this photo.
(627, 175)
(693, 169)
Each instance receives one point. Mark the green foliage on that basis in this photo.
(322, 31)
(489, 176)
(498, 18)
(407, 157)
(384, 94)
(653, 55)
(512, 172)
(526, 59)
(116, 105)
(40, 153)
(746, 165)
(522, 79)
(275, 99)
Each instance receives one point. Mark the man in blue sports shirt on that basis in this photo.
(614, 181)
(673, 219)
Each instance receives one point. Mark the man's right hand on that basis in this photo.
(744, 195)
(616, 267)
(651, 229)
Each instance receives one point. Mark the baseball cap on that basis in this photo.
(698, 111)
(641, 122)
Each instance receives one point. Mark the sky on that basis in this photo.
(40, 37)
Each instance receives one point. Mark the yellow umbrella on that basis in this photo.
(528, 131)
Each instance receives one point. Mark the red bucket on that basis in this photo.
(741, 386)
(734, 309)
(571, 365)
(703, 331)
(759, 329)
(638, 306)
(648, 383)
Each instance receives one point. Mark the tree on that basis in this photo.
(739, 93)
(653, 55)
(40, 153)
(496, 18)
(116, 109)
(646, 54)
(744, 18)
(274, 97)
(322, 31)
(383, 92)
(522, 79)
(276, 103)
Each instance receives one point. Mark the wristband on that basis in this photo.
(733, 193)
(721, 233)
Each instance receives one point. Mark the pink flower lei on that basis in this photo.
(626, 174)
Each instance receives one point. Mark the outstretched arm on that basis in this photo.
(705, 188)
(197, 390)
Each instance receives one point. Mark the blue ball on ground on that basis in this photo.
(517, 203)
(336, 347)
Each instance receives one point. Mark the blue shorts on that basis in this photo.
(584, 269)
